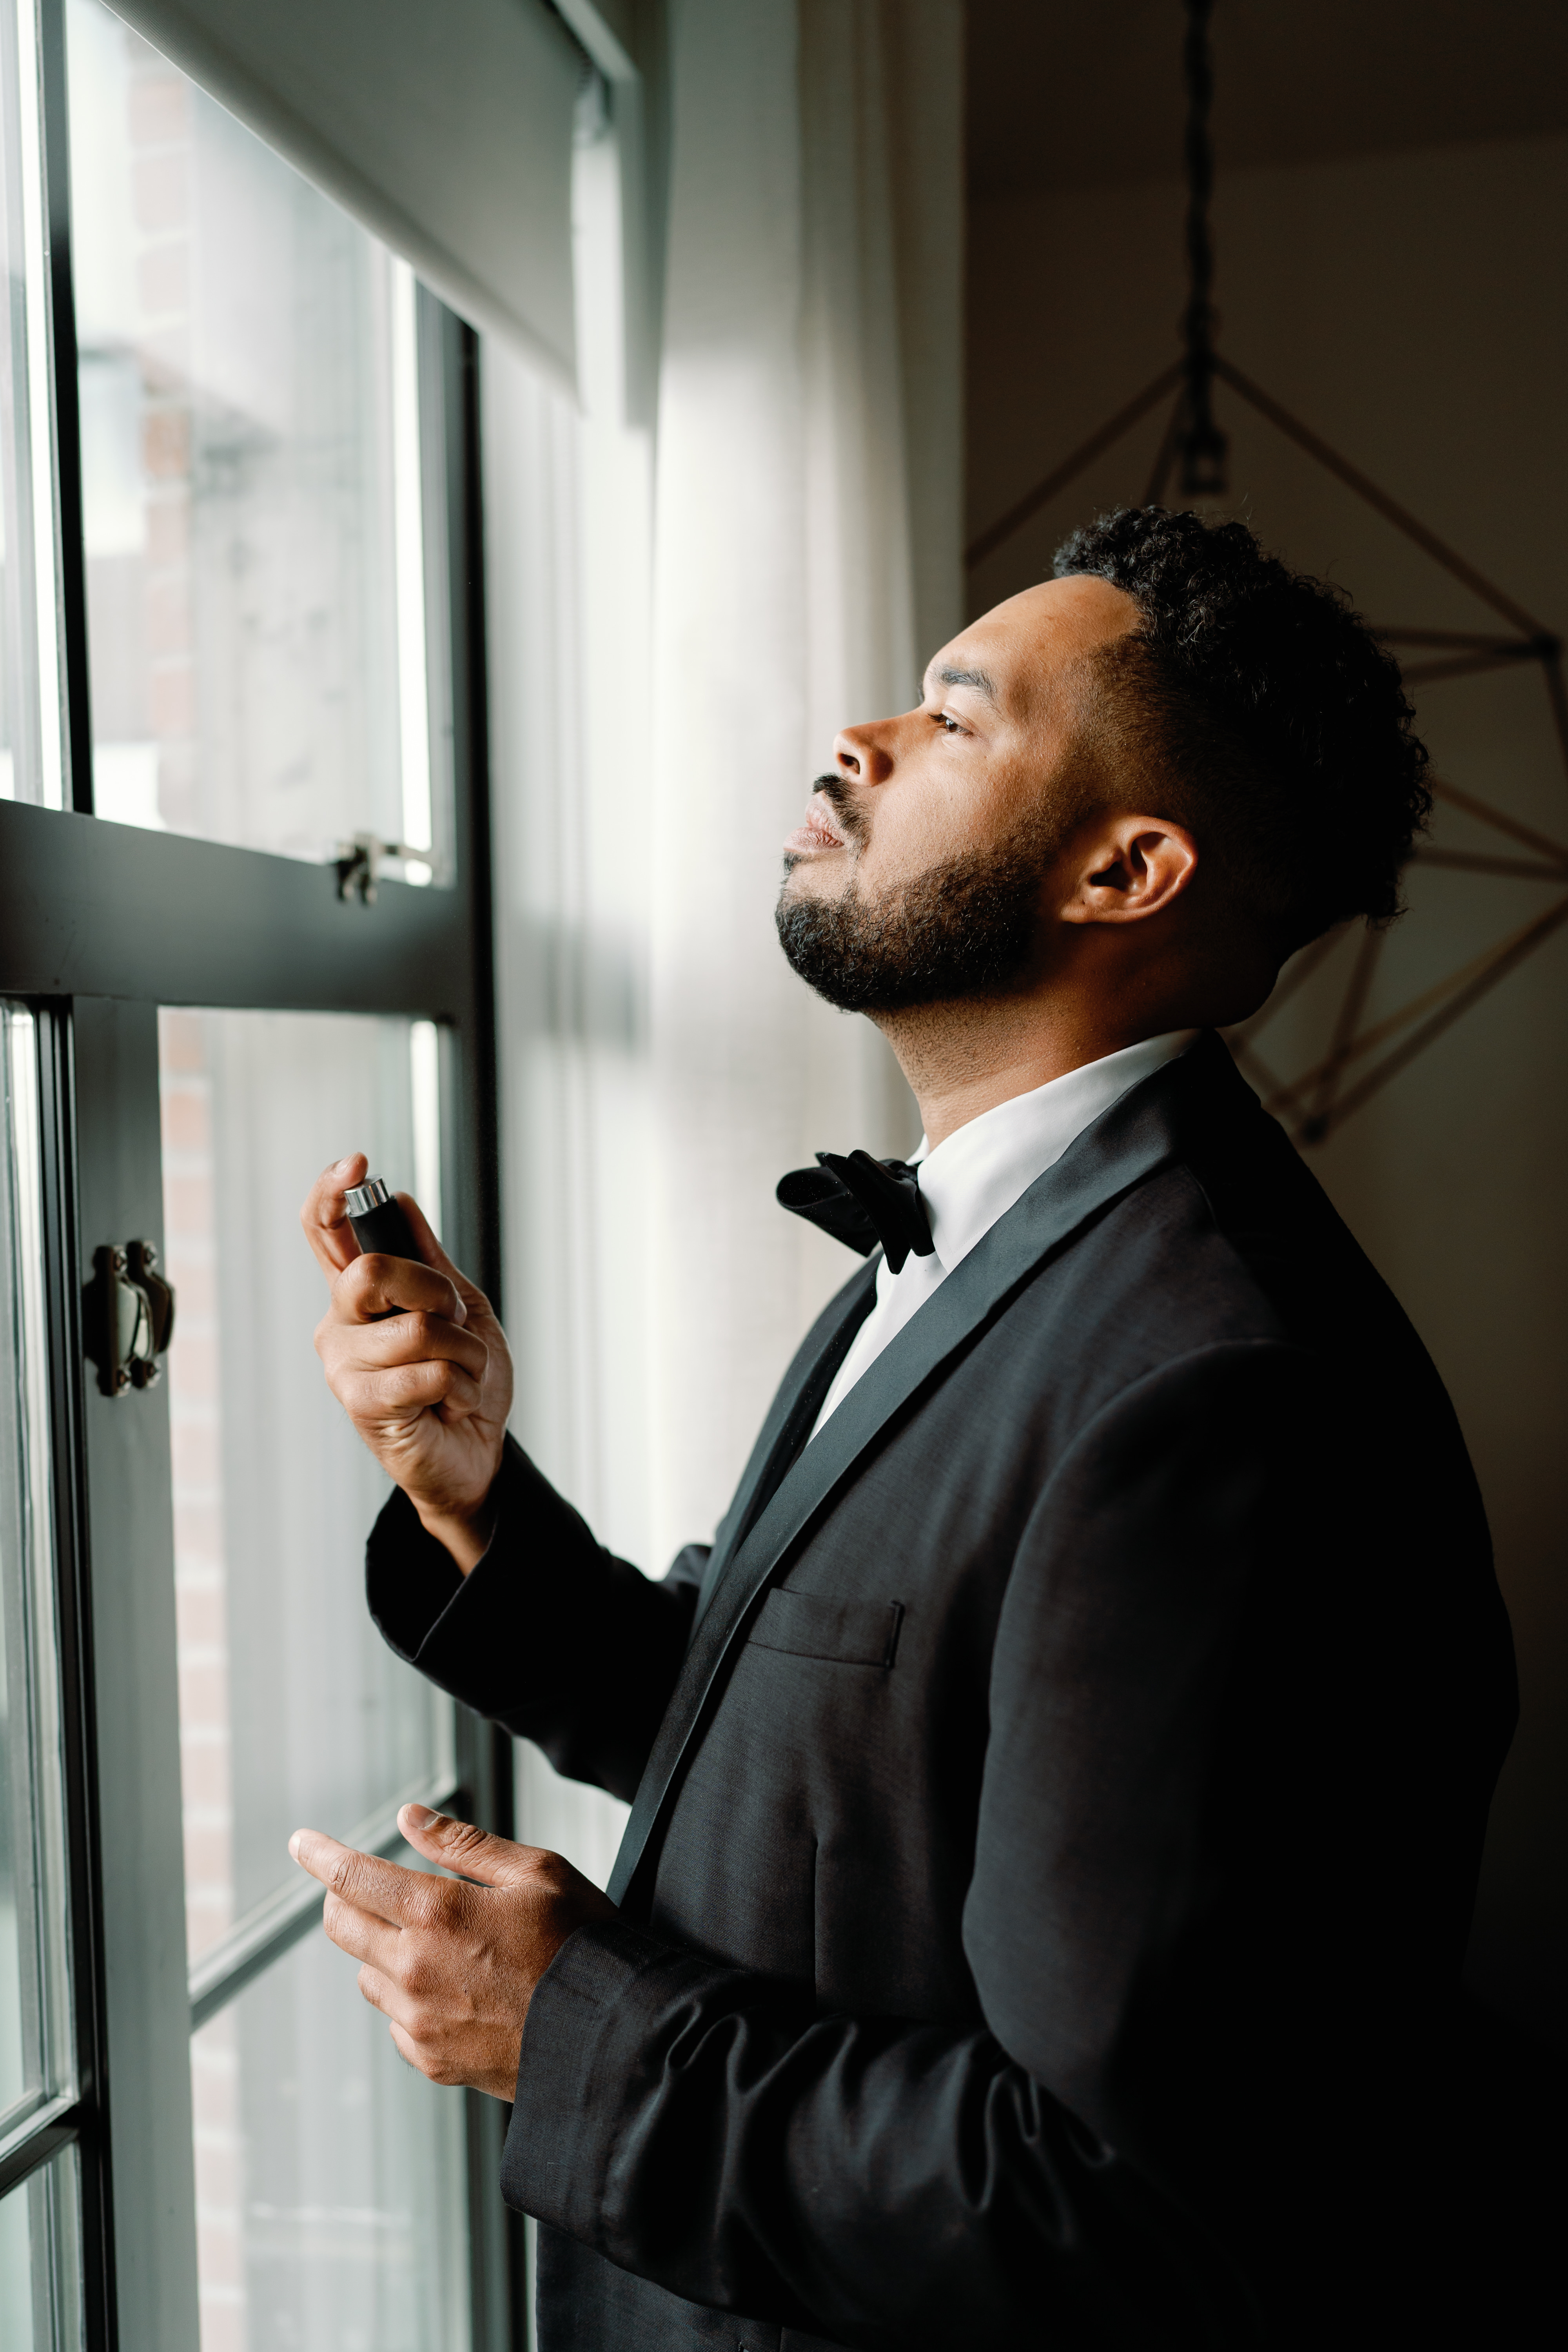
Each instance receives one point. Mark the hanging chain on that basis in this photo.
(1203, 448)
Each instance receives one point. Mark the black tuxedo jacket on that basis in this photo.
(1056, 1800)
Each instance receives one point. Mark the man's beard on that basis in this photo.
(966, 926)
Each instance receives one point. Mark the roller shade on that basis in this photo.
(444, 125)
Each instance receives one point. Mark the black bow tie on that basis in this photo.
(861, 1202)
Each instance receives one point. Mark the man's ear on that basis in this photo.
(1128, 867)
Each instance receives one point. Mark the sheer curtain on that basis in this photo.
(683, 610)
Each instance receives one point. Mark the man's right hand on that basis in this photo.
(428, 1387)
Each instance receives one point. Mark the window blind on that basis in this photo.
(444, 125)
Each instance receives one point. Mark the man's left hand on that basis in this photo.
(452, 1966)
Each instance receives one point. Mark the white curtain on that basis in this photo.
(784, 604)
(681, 617)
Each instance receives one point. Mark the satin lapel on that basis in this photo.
(798, 1400)
(1122, 1146)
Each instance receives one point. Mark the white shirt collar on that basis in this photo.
(974, 1177)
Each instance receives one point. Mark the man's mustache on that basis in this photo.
(839, 793)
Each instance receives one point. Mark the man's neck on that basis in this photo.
(962, 1059)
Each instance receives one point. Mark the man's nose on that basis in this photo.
(861, 752)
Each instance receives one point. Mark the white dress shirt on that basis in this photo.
(974, 1177)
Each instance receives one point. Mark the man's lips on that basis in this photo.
(820, 830)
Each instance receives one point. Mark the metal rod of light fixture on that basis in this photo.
(1203, 448)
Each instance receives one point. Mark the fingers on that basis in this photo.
(409, 2051)
(444, 2043)
(374, 1394)
(361, 1935)
(403, 1898)
(412, 2026)
(430, 1249)
(382, 1362)
(375, 1988)
(474, 1852)
(415, 1339)
(369, 1287)
(404, 2014)
(404, 1392)
(452, 1966)
(325, 1218)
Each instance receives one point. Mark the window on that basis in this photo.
(245, 928)
(36, 2055)
(252, 510)
(39, 2271)
(292, 1708)
(41, 2260)
(31, 682)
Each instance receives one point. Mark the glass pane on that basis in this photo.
(292, 1709)
(251, 481)
(330, 2176)
(34, 2056)
(40, 2260)
(30, 735)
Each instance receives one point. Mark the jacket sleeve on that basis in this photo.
(891, 2184)
(549, 1634)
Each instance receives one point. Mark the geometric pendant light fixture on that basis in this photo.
(1357, 1055)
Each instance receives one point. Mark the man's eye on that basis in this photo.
(951, 725)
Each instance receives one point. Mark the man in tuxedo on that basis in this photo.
(1057, 1792)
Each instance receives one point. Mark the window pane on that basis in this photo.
(292, 1709)
(40, 2260)
(30, 765)
(34, 2059)
(250, 473)
(329, 2176)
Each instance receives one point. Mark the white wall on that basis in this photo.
(1411, 311)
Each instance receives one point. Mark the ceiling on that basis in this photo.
(1068, 93)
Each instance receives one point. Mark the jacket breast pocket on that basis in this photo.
(847, 1632)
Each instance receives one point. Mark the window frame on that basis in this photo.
(97, 911)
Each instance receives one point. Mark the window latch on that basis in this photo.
(127, 1317)
(359, 865)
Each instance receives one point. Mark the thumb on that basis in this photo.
(471, 1852)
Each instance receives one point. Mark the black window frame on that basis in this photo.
(95, 911)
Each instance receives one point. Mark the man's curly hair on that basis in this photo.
(1265, 714)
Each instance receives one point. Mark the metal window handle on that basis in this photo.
(358, 864)
(127, 1317)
